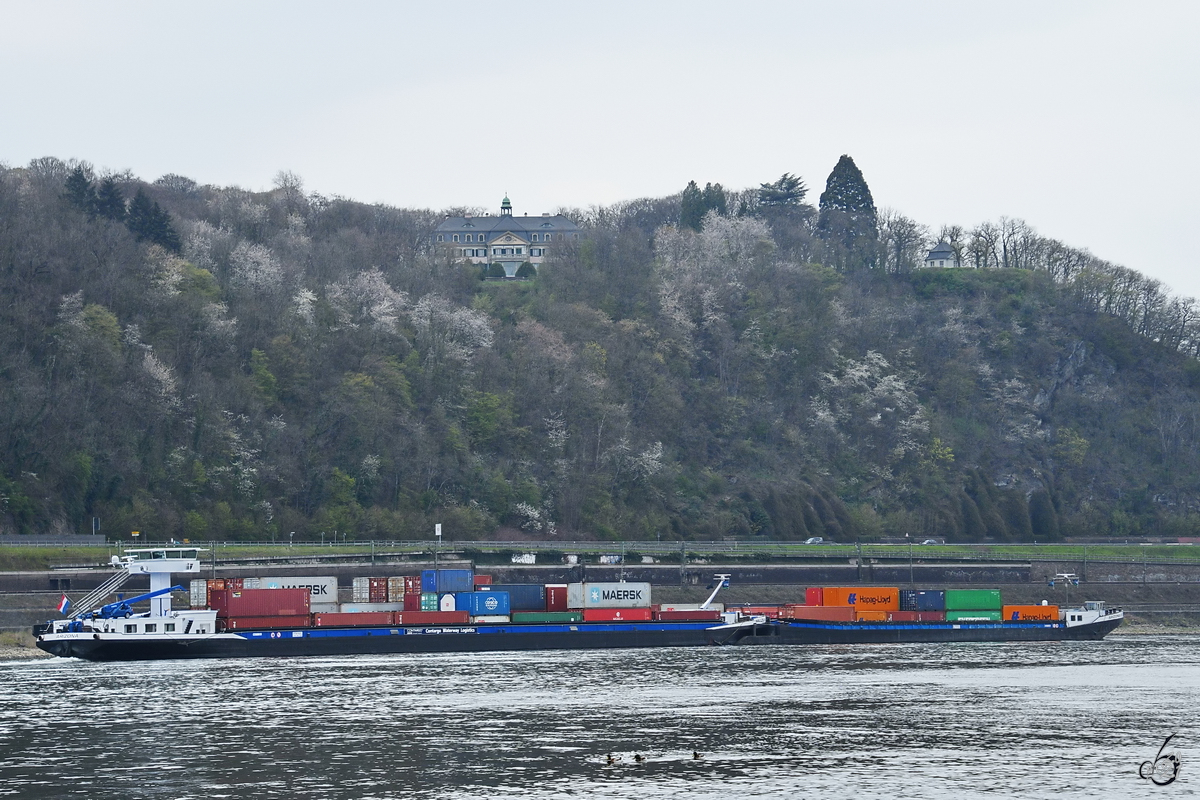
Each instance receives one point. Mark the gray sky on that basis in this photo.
(1078, 117)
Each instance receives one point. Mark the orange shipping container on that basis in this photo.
(822, 613)
(865, 598)
(361, 618)
(1030, 613)
(870, 616)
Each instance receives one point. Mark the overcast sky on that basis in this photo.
(1078, 117)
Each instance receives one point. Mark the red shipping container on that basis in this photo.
(823, 613)
(412, 602)
(433, 617)
(264, 623)
(361, 618)
(689, 616)
(235, 583)
(412, 584)
(814, 596)
(556, 597)
(771, 612)
(916, 616)
(259, 602)
(483, 580)
(378, 590)
(617, 614)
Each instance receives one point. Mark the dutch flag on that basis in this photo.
(63, 605)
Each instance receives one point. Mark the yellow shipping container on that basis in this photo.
(864, 598)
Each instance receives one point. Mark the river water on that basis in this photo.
(1054, 720)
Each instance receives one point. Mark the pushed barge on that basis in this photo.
(114, 632)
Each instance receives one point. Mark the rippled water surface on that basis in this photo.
(954, 721)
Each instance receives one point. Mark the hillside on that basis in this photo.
(208, 362)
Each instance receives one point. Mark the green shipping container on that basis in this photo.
(972, 616)
(429, 601)
(547, 616)
(973, 599)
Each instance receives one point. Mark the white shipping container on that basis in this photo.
(491, 618)
(198, 593)
(608, 595)
(358, 608)
(396, 589)
(323, 590)
(361, 590)
(324, 608)
(447, 603)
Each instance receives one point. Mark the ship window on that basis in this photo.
(168, 627)
(151, 627)
(131, 628)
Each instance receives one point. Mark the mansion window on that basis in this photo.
(535, 237)
(441, 238)
(535, 251)
(468, 237)
(456, 237)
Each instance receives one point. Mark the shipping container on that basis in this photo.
(977, 615)
(547, 616)
(822, 613)
(871, 616)
(478, 604)
(321, 589)
(446, 602)
(483, 580)
(198, 593)
(412, 584)
(866, 598)
(814, 596)
(455, 580)
(235, 583)
(384, 618)
(490, 619)
(1029, 613)
(378, 590)
(433, 618)
(428, 581)
(396, 589)
(261, 623)
(522, 596)
(556, 597)
(360, 590)
(616, 615)
(324, 608)
(922, 600)
(608, 595)
(694, 615)
(259, 602)
(771, 612)
(689, 607)
(973, 600)
(916, 616)
(412, 602)
(216, 583)
(367, 608)
(429, 602)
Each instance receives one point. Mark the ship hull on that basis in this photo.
(594, 636)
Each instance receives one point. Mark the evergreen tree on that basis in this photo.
(110, 202)
(80, 192)
(149, 222)
(848, 217)
(787, 192)
(714, 198)
(691, 207)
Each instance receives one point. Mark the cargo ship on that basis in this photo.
(454, 611)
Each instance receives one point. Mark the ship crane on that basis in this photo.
(721, 581)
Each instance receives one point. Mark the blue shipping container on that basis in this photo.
(429, 581)
(922, 600)
(454, 580)
(523, 596)
(483, 604)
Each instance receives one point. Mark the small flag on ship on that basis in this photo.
(63, 605)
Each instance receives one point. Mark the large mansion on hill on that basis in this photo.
(505, 240)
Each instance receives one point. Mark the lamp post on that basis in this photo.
(437, 531)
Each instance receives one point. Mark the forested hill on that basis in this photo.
(205, 362)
